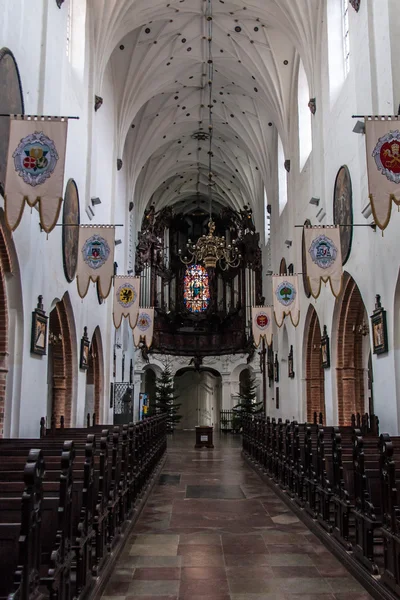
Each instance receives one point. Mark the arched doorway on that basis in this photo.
(315, 377)
(353, 352)
(199, 393)
(61, 364)
(150, 388)
(95, 379)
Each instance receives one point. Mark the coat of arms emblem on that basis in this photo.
(262, 320)
(35, 158)
(143, 322)
(95, 251)
(286, 293)
(126, 295)
(387, 156)
(323, 252)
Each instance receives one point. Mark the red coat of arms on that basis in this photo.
(387, 156)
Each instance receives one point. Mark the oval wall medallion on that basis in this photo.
(11, 102)
(343, 210)
(70, 235)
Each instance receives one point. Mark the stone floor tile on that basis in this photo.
(341, 585)
(153, 588)
(157, 573)
(211, 573)
(158, 539)
(153, 550)
(156, 561)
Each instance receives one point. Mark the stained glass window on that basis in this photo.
(196, 289)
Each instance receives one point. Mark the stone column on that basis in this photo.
(137, 382)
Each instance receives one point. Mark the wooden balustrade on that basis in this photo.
(79, 491)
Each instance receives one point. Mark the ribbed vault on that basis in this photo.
(158, 55)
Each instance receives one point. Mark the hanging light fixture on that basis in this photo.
(211, 249)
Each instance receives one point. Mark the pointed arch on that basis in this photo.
(62, 361)
(315, 377)
(352, 354)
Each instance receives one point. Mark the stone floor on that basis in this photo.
(212, 530)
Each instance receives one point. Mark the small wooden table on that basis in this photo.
(204, 436)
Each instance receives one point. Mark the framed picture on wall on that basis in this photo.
(325, 351)
(290, 364)
(39, 329)
(85, 345)
(379, 328)
(276, 369)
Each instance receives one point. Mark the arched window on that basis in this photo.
(304, 113)
(282, 176)
(346, 36)
(196, 289)
(267, 218)
(339, 56)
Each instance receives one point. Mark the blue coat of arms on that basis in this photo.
(323, 252)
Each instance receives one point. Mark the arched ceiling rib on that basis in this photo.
(158, 52)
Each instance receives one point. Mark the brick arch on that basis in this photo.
(5, 268)
(63, 356)
(350, 372)
(315, 378)
(95, 374)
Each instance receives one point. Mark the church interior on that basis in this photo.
(198, 199)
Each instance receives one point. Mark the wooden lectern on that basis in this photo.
(204, 436)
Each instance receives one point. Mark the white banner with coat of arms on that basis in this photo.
(35, 168)
(126, 299)
(261, 319)
(383, 162)
(324, 258)
(143, 331)
(286, 298)
(95, 258)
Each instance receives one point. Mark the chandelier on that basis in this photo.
(210, 249)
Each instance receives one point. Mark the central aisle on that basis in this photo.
(212, 530)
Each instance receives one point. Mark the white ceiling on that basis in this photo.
(161, 91)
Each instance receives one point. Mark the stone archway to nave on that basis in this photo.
(199, 394)
(61, 361)
(315, 377)
(353, 351)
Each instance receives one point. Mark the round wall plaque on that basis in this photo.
(70, 233)
(343, 210)
(306, 285)
(11, 102)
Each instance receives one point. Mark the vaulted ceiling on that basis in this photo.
(158, 53)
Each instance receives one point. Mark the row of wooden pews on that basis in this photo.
(346, 479)
(66, 500)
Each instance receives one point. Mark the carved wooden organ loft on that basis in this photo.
(198, 311)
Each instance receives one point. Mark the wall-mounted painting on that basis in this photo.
(325, 350)
(379, 328)
(85, 346)
(39, 329)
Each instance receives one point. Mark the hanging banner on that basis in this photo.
(95, 258)
(35, 168)
(324, 258)
(286, 298)
(383, 162)
(143, 331)
(126, 299)
(261, 319)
